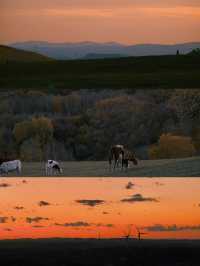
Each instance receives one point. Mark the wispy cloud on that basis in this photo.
(74, 224)
(36, 219)
(43, 203)
(83, 224)
(138, 198)
(172, 228)
(90, 202)
(18, 208)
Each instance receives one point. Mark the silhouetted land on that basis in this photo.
(182, 71)
(119, 252)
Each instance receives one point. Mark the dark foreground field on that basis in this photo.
(149, 168)
(132, 72)
(69, 252)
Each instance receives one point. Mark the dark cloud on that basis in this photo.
(91, 203)
(3, 219)
(43, 203)
(159, 184)
(13, 219)
(38, 226)
(83, 224)
(172, 228)
(4, 185)
(104, 225)
(129, 185)
(75, 224)
(105, 212)
(36, 219)
(139, 198)
(18, 208)
(7, 229)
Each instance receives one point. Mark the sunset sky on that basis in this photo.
(87, 207)
(125, 21)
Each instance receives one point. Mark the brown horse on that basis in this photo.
(128, 156)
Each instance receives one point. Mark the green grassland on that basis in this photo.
(178, 71)
(148, 168)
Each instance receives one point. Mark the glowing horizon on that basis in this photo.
(167, 208)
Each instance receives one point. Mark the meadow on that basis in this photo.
(181, 71)
(146, 168)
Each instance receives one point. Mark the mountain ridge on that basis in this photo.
(79, 50)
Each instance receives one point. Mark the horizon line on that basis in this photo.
(101, 42)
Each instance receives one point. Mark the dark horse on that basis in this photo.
(128, 156)
(117, 153)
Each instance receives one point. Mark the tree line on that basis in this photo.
(84, 124)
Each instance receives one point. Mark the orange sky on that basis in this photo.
(177, 203)
(125, 21)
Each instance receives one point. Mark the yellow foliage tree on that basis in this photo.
(171, 146)
(38, 128)
(22, 131)
(42, 130)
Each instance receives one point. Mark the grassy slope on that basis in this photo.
(133, 72)
(150, 168)
(8, 54)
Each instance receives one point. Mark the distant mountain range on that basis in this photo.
(92, 50)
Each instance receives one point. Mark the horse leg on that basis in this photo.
(110, 163)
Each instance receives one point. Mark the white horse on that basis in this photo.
(11, 166)
(52, 167)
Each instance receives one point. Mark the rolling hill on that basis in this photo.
(9, 54)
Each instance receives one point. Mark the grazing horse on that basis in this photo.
(11, 166)
(116, 153)
(52, 167)
(128, 156)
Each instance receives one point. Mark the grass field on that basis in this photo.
(110, 252)
(149, 168)
(133, 72)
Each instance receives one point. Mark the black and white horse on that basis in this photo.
(11, 166)
(53, 167)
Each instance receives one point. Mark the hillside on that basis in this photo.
(133, 72)
(8, 54)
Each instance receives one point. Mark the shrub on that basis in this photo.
(171, 146)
